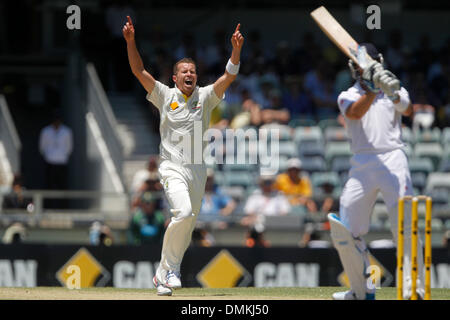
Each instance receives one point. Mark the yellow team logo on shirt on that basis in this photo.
(174, 105)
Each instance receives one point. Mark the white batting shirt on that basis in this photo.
(183, 121)
(379, 130)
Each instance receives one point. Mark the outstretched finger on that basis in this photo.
(237, 28)
(129, 21)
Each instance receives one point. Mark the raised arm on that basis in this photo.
(222, 84)
(359, 108)
(137, 67)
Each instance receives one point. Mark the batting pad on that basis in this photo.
(353, 255)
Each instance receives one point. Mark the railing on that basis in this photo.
(36, 211)
(99, 106)
(9, 138)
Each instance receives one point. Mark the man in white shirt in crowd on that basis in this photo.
(265, 201)
(55, 146)
(184, 109)
(372, 109)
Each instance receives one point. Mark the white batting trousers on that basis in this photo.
(184, 188)
(389, 174)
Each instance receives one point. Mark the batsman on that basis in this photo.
(372, 109)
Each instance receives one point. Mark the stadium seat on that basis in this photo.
(337, 149)
(437, 181)
(445, 136)
(219, 178)
(408, 136)
(282, 163)
(303, 134)
(424, 165)
(283, 132)
(314, 164)
(419, 180)
(236, 192)
(335, 134)
(380, 215)
(432, 150)
(302, 122)
(436, 224)
(343, 177)
(239, 178)
(444, 166)
(288, 148)
(240, 167)
(447, 224)
(319, 178)
(248, 147)
(311, 149)
(340, 164)
(408, 149)
(440, 197)
(325, 123)
(428, 135)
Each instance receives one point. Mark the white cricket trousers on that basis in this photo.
(389, 174)
(184, 187)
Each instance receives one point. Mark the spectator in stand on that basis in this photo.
(15, 199)
(326, 199)
(100, 234)
(187, 48)
(295, 99)
(248, 115)
(254, 238)
(446, 240)
(275, 112)
(55, 145)
(424, 113)
(216, 207)
(308, 53)
(148, 221)
(216, 53)
(265, 201)
(149, 173)
(394, 52)
(319, 85)
(311, 238)
(284, 63)
(201, 237)
(295, 186)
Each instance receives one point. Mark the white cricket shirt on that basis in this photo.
(183, 121)
(379, 130)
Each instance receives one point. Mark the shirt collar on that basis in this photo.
(182, 95)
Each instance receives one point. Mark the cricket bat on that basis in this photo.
(337, 34)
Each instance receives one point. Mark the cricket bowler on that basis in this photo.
(182, 108)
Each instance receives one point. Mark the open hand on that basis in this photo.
(128, 30)
(237, 40)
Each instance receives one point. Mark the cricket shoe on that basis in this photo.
(173, 280)
(161, 289)
(350, 295)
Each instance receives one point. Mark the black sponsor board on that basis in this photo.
(134, 266)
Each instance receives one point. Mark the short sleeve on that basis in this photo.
(404, 96)
(346, 99)
(211, 100)
(158, 95)
(251, 206)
